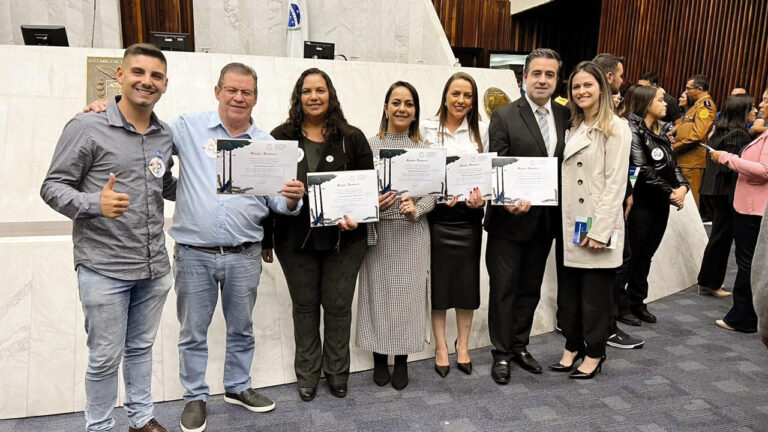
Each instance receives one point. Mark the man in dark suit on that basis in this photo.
(520, 236)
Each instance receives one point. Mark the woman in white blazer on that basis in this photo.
(593, 183)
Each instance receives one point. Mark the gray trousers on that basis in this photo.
(324, 279)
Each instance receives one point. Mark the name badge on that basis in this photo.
(210, 148)
(657, 154)
(157, 167)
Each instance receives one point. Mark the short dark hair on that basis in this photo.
(240, 68)
(651, 77)
(607, 62)
(543, 53)
(144, 49)
(700, 81)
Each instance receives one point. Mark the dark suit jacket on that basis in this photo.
(514, 131)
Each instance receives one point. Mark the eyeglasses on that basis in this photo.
(232, 92)
(691, 88)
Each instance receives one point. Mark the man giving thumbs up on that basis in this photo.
(102, 163)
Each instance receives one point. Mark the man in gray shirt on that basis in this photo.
(109, 174)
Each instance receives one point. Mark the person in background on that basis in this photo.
(749, 201)
(594, 178)
(759, 280)
(321, 264)
(612, 67)
(673, 109)
(692, 131)
(717, 188)
(759, 126)
(456, 226)
(395, 274)
(659, 184)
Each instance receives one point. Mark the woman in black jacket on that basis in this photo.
(659, 184)
(321, 264)
(717, 186)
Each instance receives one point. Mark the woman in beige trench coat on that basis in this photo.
(594, 177)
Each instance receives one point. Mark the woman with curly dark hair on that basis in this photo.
(321, 264)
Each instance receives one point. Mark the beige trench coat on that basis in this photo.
(594, 181)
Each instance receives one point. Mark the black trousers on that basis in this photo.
(515, 270)
(715, 262)
(646, 225)
(620, 299)
(742, 315)
(584, 305)
(324, 279)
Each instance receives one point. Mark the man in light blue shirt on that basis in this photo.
(218, 247)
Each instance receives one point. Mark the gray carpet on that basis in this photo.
(691, 376)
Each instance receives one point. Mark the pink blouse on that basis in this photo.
(752, 186)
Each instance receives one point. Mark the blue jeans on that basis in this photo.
(199, 277)
(121, 319)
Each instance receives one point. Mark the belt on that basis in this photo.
(223, 250)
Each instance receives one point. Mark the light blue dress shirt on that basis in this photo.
(202, 217)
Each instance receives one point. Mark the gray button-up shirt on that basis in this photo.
(132, 246)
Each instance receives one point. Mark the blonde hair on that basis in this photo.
(605, 103)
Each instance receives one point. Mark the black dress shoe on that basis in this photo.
(338, 390)
(500, 371)
(577, 374)
(526, 361)
(629, 318)
(464, 367)
(642, 313)
(307, 393)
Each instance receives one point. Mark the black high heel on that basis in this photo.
(442, 370)
(559, 367)
(577, 374)
(464, 367)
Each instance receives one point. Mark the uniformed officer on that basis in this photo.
(692, 130)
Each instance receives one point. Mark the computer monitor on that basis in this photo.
(318, 50)
(52, 35)
(171, 41)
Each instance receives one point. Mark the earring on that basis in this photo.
(387, 116)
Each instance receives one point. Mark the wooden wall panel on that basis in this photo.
(477, 26)
(567, 26)
(139, 17)
(727, 40)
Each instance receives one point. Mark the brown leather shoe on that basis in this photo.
(151, 426)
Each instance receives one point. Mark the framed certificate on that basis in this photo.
(413, 171)
(463, 173)
(334, 194)
(533, 179)
(247, 167)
